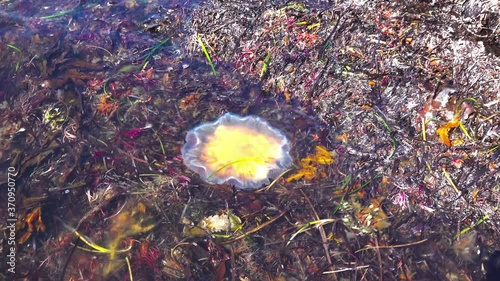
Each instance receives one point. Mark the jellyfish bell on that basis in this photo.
(240, 151)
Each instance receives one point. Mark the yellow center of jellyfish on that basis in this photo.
(240, 152)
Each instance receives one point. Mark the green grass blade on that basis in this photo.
(63, 13)
(14, 47)
(152, 52)
(207, 55)
(386, 125)
(266, 63)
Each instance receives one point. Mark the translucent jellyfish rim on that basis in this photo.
(199, 135)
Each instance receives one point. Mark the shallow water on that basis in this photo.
(97, 97)
(101, 93)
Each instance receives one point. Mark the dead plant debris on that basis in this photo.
(392, 109)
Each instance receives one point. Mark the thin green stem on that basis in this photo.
(207, 55)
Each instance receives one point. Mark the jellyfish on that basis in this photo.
(241, 151)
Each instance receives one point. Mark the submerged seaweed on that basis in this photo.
(389, 111)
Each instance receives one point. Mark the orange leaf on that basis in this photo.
(343, 138)
(32, 221)
(106, 107)
(323, 156)
(307, 172)
(309, 165)
(443, 131)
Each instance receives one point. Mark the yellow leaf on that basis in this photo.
(307, 172)
(309, 165)
(323, 156)
(343, 138)
(443, 131)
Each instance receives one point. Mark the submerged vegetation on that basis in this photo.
(391, 110)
